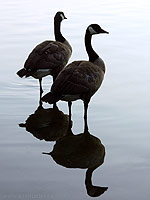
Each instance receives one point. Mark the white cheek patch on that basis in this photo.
(62, 16)
(92, 31)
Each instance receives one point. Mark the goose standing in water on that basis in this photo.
(49, 57)
(80, 79)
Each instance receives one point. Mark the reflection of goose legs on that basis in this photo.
(93, 191)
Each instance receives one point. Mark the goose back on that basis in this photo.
(49, 56)
(80, 79)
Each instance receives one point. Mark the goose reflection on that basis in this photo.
(83, 151)
(47, 124)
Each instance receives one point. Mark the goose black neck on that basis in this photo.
(58, 36)
(91, 53)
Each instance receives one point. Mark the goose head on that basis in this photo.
(95, 29)
(59, 16)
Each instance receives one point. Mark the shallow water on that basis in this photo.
(118, 113)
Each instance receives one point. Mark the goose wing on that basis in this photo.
(79, 77)
(48, 55)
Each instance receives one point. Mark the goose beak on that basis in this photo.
(103, 31)
(46, 153)
(64, 17)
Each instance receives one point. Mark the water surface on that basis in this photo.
(118, 113)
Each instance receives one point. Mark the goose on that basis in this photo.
(48, 57)
(79, 79)
(83, 151)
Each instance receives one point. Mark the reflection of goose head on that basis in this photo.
(48, 124)
(81, 151)
(93, 191)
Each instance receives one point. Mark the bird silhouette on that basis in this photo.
(48, 57)
(80, 79)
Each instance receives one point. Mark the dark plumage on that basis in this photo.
(80, 79)
(49, 57)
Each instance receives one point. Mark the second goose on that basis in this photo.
(49, 57)
(80, 79)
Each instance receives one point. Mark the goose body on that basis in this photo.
(80, 79)
(48, 57)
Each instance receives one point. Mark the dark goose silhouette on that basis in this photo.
(49, 57)
(83, 151)
(47, 124)
(80, 79)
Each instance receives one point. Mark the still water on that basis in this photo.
(118, 113)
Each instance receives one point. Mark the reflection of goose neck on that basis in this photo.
(88, 178)
(93, 191)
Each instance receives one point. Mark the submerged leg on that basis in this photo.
(85, 117)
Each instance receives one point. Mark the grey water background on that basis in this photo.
(118, 113)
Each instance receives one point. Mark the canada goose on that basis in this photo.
(80, 79)
(49, 57)
(83, 151)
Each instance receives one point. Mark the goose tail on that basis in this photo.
(21, 72)
(50, 98)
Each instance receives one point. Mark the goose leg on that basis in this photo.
(41, 91)
(69, 105)
(54, 104)
(40, 82)
(54, 77)
(85, 117)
